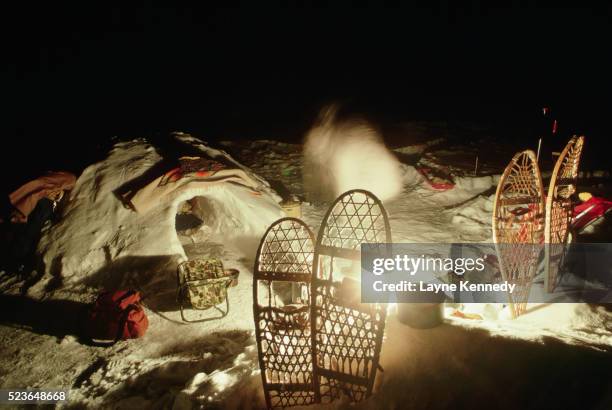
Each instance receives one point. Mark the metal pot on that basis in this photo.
(421, 315)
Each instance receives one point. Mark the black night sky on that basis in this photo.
(85, 73)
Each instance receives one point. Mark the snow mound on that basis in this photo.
(96, 229)
(349, 154)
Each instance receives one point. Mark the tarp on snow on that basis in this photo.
(25, 198)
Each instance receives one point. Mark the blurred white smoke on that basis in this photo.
(340, 155)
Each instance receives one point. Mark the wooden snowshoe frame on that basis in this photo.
(559, 209)
(518, 221)
(346, 334)
(283, 331)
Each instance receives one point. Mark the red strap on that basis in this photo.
(128, 298)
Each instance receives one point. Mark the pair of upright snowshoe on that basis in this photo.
(316, 341)
(525, 219)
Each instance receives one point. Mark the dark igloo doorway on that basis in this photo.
(194, 225)
(187, 220)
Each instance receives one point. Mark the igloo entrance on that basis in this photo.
(194, 223)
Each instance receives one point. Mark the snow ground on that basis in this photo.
(556, 356)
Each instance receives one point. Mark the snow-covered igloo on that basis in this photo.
(97, 233)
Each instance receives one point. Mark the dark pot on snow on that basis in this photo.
(426, 312)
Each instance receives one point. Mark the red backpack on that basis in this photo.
(116, 315)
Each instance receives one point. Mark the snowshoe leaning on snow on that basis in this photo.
(346, 368)
(518, 225)
(559, 210)
(282, 327)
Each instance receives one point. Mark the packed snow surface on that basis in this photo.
(563, 349)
